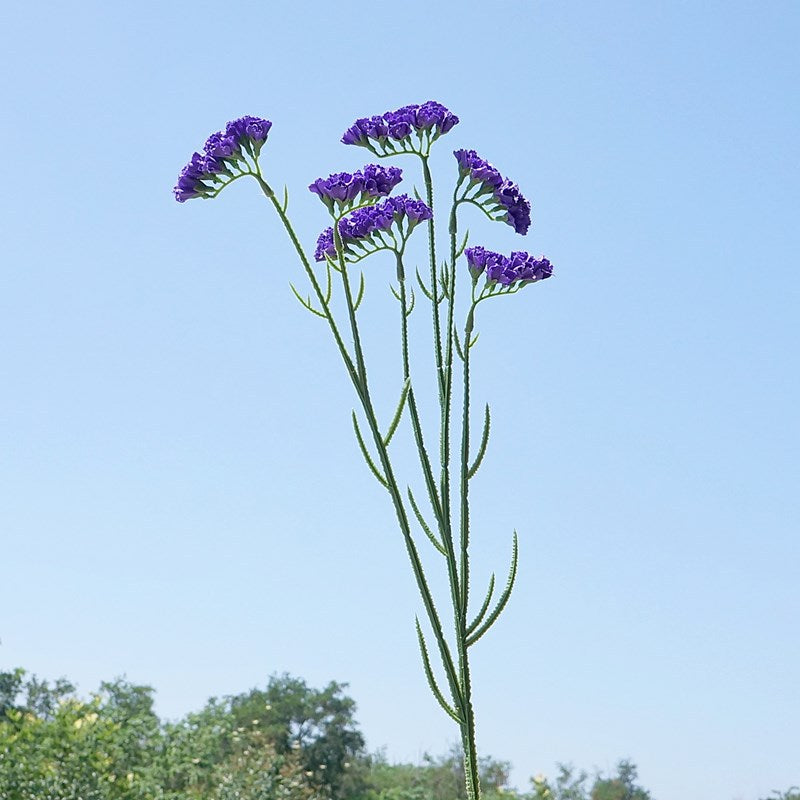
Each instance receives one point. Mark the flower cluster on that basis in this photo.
(221, 151)
(344, 188)
(518, 268)
(431, 118)
(365, 222)
(504, 192)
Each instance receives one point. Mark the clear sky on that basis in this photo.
(181, 499)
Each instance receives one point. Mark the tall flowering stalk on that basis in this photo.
(365, 220)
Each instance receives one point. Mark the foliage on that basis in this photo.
(435, 779)
(793, 793)
(570, 785)
(286, 741)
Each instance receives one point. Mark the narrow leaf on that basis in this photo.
(398, 413)
(463, 246)
(503, 599)
(395, 293)
(426, 663)
(411, 304)
(285, 204)
(365, 453)
(360, 295)
(474, 339)
(424, 288)
(306, 303)
(484, 608)
(424, 525)
(484, 441)
(458, 346)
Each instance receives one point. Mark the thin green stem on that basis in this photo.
(444, 530)
(468, 727)
(348, 361)
(392, 486)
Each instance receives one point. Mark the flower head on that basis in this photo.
(431, 119)
(254, 128)
(519, 268)
(368, 222)
(493, 186)
(344, 188)
(196, 179)
(221, 155)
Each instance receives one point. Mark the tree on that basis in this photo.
(319, 724)
(570, 785)
(621, 786)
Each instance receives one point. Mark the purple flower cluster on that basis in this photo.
(222, 146)
(505, 192)
(346, 187)
(365, 222)
(431, 117)
(520, 267)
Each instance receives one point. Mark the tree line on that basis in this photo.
(286, 741)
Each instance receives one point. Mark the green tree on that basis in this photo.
(621, 786)
(437, 778)
(319, 724)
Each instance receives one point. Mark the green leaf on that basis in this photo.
(370, 463)
(482, 613)
(424, 525)
(306, 303)
(426, 662)
(398, 413)
(503, 599)
(360, 295)
(484, 441)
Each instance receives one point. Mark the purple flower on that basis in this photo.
(219, 149)
(346, 187)
(430, 117)
(379, 181)
(518, 268)
(518, 213)
(220, 145)
(490, 182)
(528, 268)
(435, 115)
(190, 181)
(253, 128)
(341, 186)
(364, 223)
(325, 245)
(479, 260)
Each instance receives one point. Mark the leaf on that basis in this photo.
(398, 413)
(365, 453)
(463, 246)
(503, 599)
(426, 663)
(412, 304)
(459, 351)
(306, 303)
(484, 441)
(482, 613)
(422, 286)
(424, 525)
(360, 295)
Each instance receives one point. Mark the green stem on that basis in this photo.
(362, 388)
(468, 726)
(445, 532)
(444, 403)
(348, 361)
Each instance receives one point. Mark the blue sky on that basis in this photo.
(180, 496)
